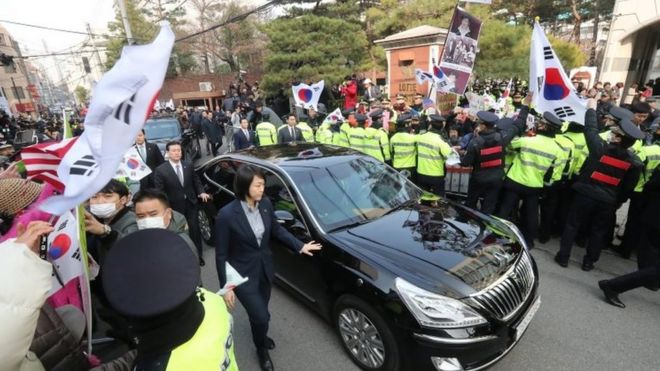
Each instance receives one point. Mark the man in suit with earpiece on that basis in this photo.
(290, 133)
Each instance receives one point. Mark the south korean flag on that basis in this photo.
(552, 89)
(119, 108)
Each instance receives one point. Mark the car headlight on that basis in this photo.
(515, 231)
(433, 310)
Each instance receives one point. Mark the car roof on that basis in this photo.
(298, 155)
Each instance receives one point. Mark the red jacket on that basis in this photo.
(349, 91)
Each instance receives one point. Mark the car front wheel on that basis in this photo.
(365, 335)
(205, 226)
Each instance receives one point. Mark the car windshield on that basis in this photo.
(353, 192)
(161, 129)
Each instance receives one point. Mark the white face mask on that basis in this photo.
(151, 222)
(104, 210)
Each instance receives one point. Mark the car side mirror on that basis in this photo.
(285, 218)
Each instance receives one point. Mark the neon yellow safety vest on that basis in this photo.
(307, 131)
(324, 134)
(580, 152)
(650, 156)
(343, 135)
(431, 154)
(404, 150)
(356, 137)
(536, 155)
(212, 346)
(337, 138)
(377, 144)
(266, 133)
(562, 167)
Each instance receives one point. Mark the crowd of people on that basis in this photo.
(550, 178)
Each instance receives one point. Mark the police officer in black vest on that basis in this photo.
(606, 180)
(485, 154)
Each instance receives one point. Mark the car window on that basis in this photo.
(162, 129)
(223, 173)
(353, 191)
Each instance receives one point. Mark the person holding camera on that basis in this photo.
(349, 90)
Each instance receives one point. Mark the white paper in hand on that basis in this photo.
(233, 279)
(453, 159)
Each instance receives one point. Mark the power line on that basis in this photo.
(232, 20)
(49, 28)
(56, 54)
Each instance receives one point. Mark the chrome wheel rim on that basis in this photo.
(361, 338)
(204, 225)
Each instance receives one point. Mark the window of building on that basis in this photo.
(18, 92)
(11, 68)
(4, 93)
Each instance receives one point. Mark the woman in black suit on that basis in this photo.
(243, 229)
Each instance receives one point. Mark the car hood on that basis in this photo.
(428, 243)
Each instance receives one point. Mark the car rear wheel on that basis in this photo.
(205, 226)
(365, 335)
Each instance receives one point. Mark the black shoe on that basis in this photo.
(611, 296)
(264, 360)
(270, 343)
(621, 252)
(652, 287)
(201, 262)
(587, 266)
(561, 262)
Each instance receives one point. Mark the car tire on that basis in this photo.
(205, 221)
(365, 335)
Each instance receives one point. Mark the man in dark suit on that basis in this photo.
(182, 186)
(290, 133)
(150, 154)
(244, 138)
(243, 230)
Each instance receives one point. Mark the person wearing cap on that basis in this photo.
(389, 115)
(307, 131)
(6, 150)
(243, 231)
(532, 167)
(356, 134)
(376, 141)
(650, 157)
(485, 155)
(151, 278)
(324, 133)
(403, 147)
(371, 91)
(418, 103)
(432, 152)
(349, 90)
(345, 128)
(607, 179)
(647, 275)
(266, 132)
(552, 217)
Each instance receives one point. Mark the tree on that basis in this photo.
(82, 94)
(144, 27)
(320, 48)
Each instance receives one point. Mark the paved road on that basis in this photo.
(573, 330)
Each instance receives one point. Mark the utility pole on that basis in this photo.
(127, 24)
(99, 64)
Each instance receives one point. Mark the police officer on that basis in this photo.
(175, 324)
(551, 220)
(345, 127)
(376, 142)
(266, 132)
(432, 151)
(485, 154)
(403, 147)
(356, 134)
(324, 133)
(532, 167)
(307, 131)
(606, 180)
(650, 157)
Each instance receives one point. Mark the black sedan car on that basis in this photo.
(409, 281)
(161, 129)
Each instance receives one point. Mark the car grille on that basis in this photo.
(505, 297)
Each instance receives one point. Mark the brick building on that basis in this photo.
(201, 90)
(414, 48)
(14, 84)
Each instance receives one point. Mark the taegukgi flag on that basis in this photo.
(552, 89)
(64, 251)
(120, 105)
(307, 96)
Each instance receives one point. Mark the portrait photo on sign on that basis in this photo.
(460, 50)
(463, 24)
(458, 78)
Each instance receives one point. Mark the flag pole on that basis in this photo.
(85, 294)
